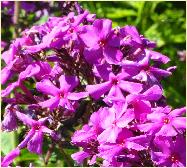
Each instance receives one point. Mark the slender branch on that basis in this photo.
(66, 158)
(16, 18)
(49, 152)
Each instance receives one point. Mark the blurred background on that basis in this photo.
(163, 22)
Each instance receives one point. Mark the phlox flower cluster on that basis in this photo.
(54, 67)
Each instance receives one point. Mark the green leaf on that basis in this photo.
(7, 142)
(178, 38)
(120, 13)
(27, 156)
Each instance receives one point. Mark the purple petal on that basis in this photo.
(135, 146)
(30, 134)
(160, 72)
(132, 31)
(47, 87)
(9, 88)
(8, 159)
(103, 27)
(96, 91)
(50, 103)
(114, 41)
(25, 119)
(68, 83)
(80, 156)
(30, 71)
(89, 36)
(179, 122)
(141, 109)
(149, 127)
(166, 130)
(108, 119)
(93, 55)
(102, 71)
(156, 56)
(109, 135)
(130, 87)
(153, 93)
(9, 123)
(109, 151)
(77, 96)
(5, 74)
(178, 112)
(34, 48)
(125, 119)
(35, 144)
(50, 132)
(115, 92)
(112, 55)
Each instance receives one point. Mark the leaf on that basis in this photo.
(120, 13)
(27, 156)
(7, 142)
(178, 38)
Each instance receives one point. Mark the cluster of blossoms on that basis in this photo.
(56, 66)
(35, 10)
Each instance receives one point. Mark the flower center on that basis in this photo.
(61, 95)
(71, 20)
(115, 81)
(166, 120)
(174, 158)
(37, 127)
(71, 30)
(101, 43)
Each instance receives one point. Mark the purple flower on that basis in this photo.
(141, 102)
(34, 138)
(172, 153)
(86, 138)
(115, 119)
(164, 122)
(114, 86)
(101, 42)
(9, 123)
(60, 96)
(125, 141)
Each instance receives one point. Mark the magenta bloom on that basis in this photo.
(60, 96)
(101, 42)
(115, 119)
(114, 87)
(164, 122)
(10, 122)
(34, 138)
(172, 153)
(125, 141)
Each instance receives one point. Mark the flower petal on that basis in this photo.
(77, 96)
(166, 130)
(50, 103)
(179, 122)
(25, 119)
(27, 138)
(68, 83)
(130, 87)
(178, 112)
(35, 144)
(47, 87)
(96, 91)
(80, 156)
(8, 159)
(112, 55)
